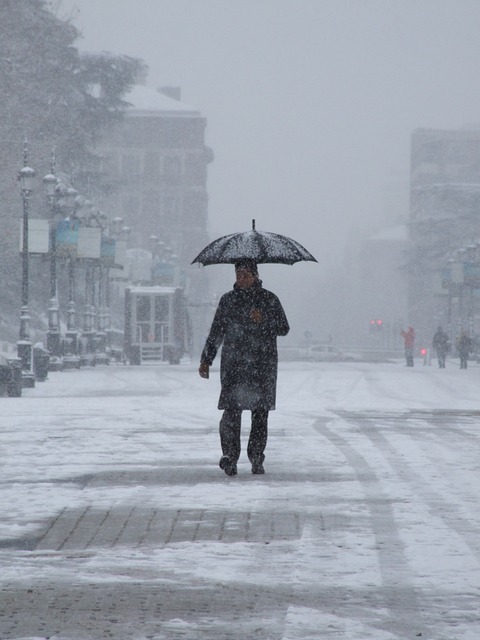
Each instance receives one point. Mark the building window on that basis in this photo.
(130, 207)
(170, 208)
(130, 167)
(172, 166)
(151, 168)
(109, 164)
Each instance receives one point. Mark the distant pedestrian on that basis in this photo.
(409, 339)
(441, 344)
(464, 346)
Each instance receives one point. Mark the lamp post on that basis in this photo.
(450, 263)
(154, 245)
(126, 231)
(26, 177)
(71, 200)
(462, 255)
(163, 264)
(103, 318)
(91, 223)
(53, 334)
(470, 279)
(113, 285)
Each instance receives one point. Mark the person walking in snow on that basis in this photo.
(464, 346)
(247, 321)
(441, 345)
(409, 339)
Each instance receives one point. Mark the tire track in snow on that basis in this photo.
(398, 589)
(436, 502)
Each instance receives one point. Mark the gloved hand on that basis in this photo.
(204, 370)
(256, 315)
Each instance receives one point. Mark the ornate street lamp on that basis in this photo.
(117, 223)
(26, 177)
(50, 182)
(70, 200)
(100, 219)
(92, 221)
(115, 231)
(73, 203)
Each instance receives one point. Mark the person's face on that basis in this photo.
(245, 278)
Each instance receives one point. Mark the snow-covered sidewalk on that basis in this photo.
(116, 521)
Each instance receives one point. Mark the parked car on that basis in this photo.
(323, 352)
(329, 353)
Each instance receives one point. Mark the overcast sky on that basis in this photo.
(310, 103)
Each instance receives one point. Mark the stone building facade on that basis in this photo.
(154, 166)
(444, 218)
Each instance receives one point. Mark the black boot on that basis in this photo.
(228, 466)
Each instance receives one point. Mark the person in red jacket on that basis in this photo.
(409, 338)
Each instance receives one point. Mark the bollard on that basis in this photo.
(41, 361)
(427, 356)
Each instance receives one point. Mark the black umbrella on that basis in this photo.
(259, 246)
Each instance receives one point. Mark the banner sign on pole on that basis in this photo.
(66, 235)
(38, 236)
(471, 272)
(163, 272)
(457, 272)
(107, 251)
(89, 242)
(121, 258)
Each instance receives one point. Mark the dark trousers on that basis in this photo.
(230, 427)
(441, 355)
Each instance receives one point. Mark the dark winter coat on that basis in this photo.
(441, 341)
(464, 345)
(248, 368)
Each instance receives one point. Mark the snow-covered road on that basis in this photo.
(117, 523)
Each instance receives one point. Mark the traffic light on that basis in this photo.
(376, 325)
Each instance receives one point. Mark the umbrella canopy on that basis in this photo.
(259, 246)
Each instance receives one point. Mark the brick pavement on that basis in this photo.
(138, 609)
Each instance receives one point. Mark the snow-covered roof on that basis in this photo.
(155, 289)
(145, 101)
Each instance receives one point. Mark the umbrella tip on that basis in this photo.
(253, 224)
